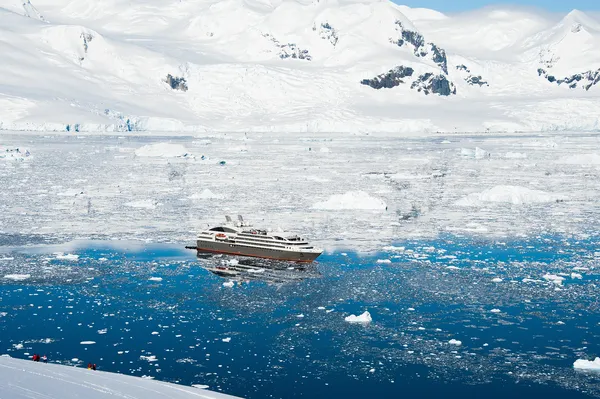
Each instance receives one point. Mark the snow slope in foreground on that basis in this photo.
(347, 65)
(28, 379)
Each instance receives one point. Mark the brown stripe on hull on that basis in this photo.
(258, 253)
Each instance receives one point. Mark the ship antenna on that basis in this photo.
(228, 218)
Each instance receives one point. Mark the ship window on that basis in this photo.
(279, 238)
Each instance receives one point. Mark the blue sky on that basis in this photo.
(462, 5)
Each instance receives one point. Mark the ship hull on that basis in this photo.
(228, 248)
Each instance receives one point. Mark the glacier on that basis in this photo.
(294, 66)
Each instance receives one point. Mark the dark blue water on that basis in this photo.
(282, 333)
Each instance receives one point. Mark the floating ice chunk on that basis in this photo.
(515, 155)
(495, 311)
(477, 153)
(228, 284)
(151, 358)
(455, 342)
(515, 195)
(18, 346)
(70, 192)
(17, 277)
(351, 200)
(103, 331)
(87, 342)
(384, 261)
(206, 194)
(583, 364)
(580, 159)
(558, 280)
(496, 280)
(145, 204)
(14, 154)
(411, 309)
(363, 318)
(199, 386)
(155, 333)
(300, 316)
(163, 150)
(226, 339)
(452, 267)
(321, 308)
(576, 276)
(155, 279)
(75, 360)
(63, 256)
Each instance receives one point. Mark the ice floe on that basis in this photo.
(363, 318)
(206, 194)
(580, 159)
(351, 200)
(583, 364)
(455, 342)
(558, 280)
(515, 195)
(145, 204)
(158, 279)
(17, 277)
(163, 150)
(477, 153)
(63, 256)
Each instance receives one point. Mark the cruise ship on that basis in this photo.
(241, 239)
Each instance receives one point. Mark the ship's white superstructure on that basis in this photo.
(240, 238)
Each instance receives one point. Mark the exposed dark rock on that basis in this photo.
(327, 32)
(585, 79)
(439, 57)
(420, 47)
(390, 79)
(476, 80)
(87, 38)
(437, 84)
(176, 83)
(472, 79)
(290, 50)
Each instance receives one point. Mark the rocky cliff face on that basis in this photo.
(436, 84)
(584, 80)
(390, 79)
(420, 47)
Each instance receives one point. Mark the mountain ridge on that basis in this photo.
(284, 65)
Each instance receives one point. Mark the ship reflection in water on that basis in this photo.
(245, 269)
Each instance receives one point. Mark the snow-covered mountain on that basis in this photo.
(302, 65)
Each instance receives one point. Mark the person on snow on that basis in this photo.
(44, 359)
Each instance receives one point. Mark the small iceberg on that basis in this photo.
(363, 318)
(582, 364)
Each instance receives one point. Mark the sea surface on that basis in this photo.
(452, 316)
